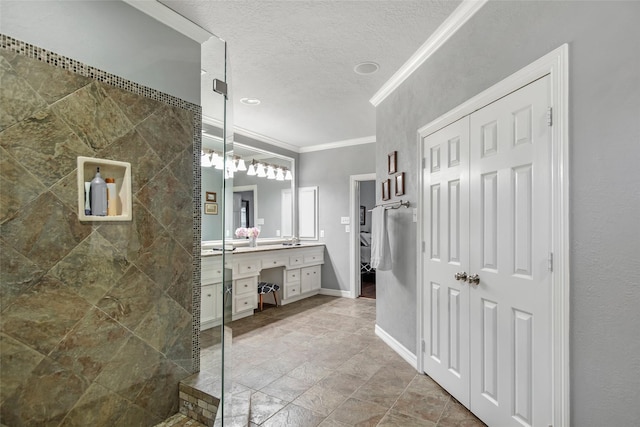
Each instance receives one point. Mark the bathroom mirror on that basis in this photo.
(254, 201)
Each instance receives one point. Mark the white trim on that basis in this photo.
(335, 293)
(354, 238)
(457, 19)
(172, 19)
(395, 345)
(556, 65)
(338, 144)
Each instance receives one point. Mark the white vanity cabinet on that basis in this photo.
(297, 269)
(211, 292)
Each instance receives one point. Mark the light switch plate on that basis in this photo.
(347, 228)
(321, 233)
(345, 220)
(415, 214)
(260, 221)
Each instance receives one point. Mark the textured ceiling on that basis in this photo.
(297, 57)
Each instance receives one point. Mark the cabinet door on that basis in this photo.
(209, 303)
(310, 279)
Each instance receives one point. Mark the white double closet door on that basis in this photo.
(487, 194)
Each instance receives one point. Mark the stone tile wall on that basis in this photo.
(99, 320)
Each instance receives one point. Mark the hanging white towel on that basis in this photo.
(380, 249)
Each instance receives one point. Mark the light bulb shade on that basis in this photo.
(218, 162)
(271, 174)
(288, 176)
(232, 164)
(252, 170)
(260, 171)
(205, 160)
(241, 165)
(279, 175)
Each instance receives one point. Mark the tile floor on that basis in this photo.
(318, 362)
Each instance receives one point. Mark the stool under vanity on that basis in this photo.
(297, 269)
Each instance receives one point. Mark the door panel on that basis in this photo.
(446, 353)
(487, 212)
(510, 241)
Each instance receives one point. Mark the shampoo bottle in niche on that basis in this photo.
(112, 197)
(98, 195)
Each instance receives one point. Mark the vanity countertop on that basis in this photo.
(259, 248)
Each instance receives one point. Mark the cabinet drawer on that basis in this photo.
(211, 271)
(245, 286)
(249, 267)
(269, 262)
(247, 302)
(292, 290)
(208, 300)
(314, 258)
(293, 275)
(296, 260)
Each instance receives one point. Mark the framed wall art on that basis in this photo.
(400, 184)
(392, 162)
(211, 197)
(363, 215)
(211, 208)
(386, 189)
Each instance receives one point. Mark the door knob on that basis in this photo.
(474, 279)
(461, 276)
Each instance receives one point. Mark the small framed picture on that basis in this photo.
(211, 197)
(400, 184)
(392, 163)
(211, 208)
(363, 215)
(386, 189)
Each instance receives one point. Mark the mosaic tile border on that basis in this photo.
(77, 67)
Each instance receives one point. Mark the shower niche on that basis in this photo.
(121, 174)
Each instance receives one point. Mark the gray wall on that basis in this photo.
(111, 36)
(500, 39)
(330, 171)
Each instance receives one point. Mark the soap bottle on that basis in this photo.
(98, 195)
(112, 197)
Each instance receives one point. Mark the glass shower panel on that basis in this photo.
(216, 189)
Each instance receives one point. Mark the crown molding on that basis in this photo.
(257, 136)
(172, 19)
(339, 144)
(457, 19)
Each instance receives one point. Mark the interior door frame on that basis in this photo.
(556, 65)
(354, 238)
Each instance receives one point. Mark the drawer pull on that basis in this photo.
(245, 303)
(275, 262)
(208, 295)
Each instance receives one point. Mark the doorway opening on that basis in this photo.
(363, 200)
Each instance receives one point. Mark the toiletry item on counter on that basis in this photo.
(98, 195)
(112, 197)
(87, 198)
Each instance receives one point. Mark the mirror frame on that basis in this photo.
(294, 211)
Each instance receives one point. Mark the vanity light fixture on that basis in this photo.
(280, 175)
(252, 168)
(288, 176)
(205, 160)
(241, 165)
(260, 171)
(218, 161)
(271, 174)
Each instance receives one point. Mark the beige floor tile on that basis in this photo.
(294, 415)
(355, 412)
(396, 419)
(264, 406)
(321, 399)
(288, 388)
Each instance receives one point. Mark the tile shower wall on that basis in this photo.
(96, 322)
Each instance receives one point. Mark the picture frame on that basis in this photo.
(400, 184)
(211, 208)
(211, 197)
(386, 189)
(392, 162)
(363, 215)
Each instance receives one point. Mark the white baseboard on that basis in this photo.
(335, 293)
(397, 347)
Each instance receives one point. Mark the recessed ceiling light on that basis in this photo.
(366, 68)
(250, 101)
(203, 72)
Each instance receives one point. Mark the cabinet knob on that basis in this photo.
(208, 295)
(274, 262)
